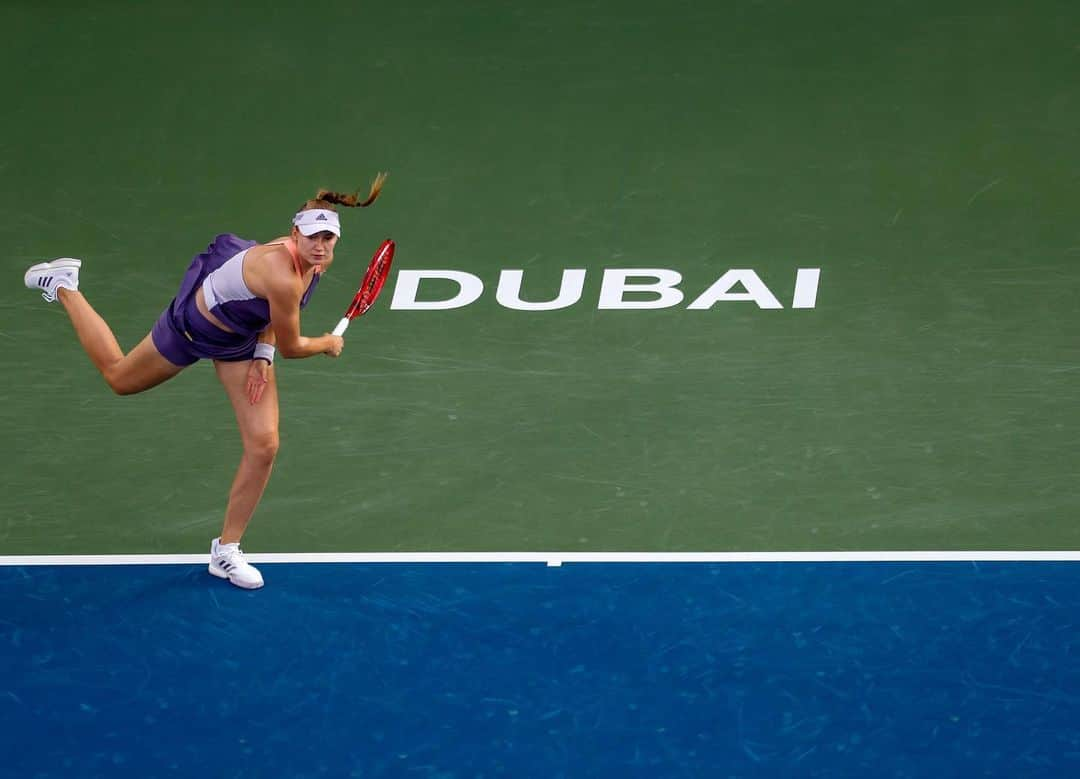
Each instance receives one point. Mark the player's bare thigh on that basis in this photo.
(140, 369)
(258, 421)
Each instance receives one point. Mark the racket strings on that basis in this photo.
(373, 281)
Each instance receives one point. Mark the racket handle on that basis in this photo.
(340, 329)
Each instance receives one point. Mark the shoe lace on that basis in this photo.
(235, 556)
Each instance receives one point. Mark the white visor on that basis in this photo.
(316, 220)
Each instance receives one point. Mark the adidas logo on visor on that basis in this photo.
(317, 220)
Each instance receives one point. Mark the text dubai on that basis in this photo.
(647, 288)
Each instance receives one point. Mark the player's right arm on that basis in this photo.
(284, 293)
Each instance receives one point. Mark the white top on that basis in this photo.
(227, 283)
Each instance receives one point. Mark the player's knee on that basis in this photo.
(262, 448)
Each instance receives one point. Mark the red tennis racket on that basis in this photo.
(371, 285)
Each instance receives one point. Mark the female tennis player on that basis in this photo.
(238, 304)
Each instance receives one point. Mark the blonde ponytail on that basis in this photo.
(352, 200)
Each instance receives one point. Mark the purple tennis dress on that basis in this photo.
(183, 335)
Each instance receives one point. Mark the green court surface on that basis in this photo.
(923, 155)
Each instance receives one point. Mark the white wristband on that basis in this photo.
(264, 352)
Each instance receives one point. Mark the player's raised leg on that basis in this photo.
(126, 374)
(139, 370)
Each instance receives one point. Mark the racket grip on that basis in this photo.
(340, 329)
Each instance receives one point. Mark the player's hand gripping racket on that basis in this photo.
(371, 285)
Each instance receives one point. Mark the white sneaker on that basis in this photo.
(50, 276)
(227, 562)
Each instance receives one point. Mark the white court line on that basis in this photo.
(558, 558)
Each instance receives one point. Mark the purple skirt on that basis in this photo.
(182, 334)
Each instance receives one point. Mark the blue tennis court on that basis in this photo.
(467, 670)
